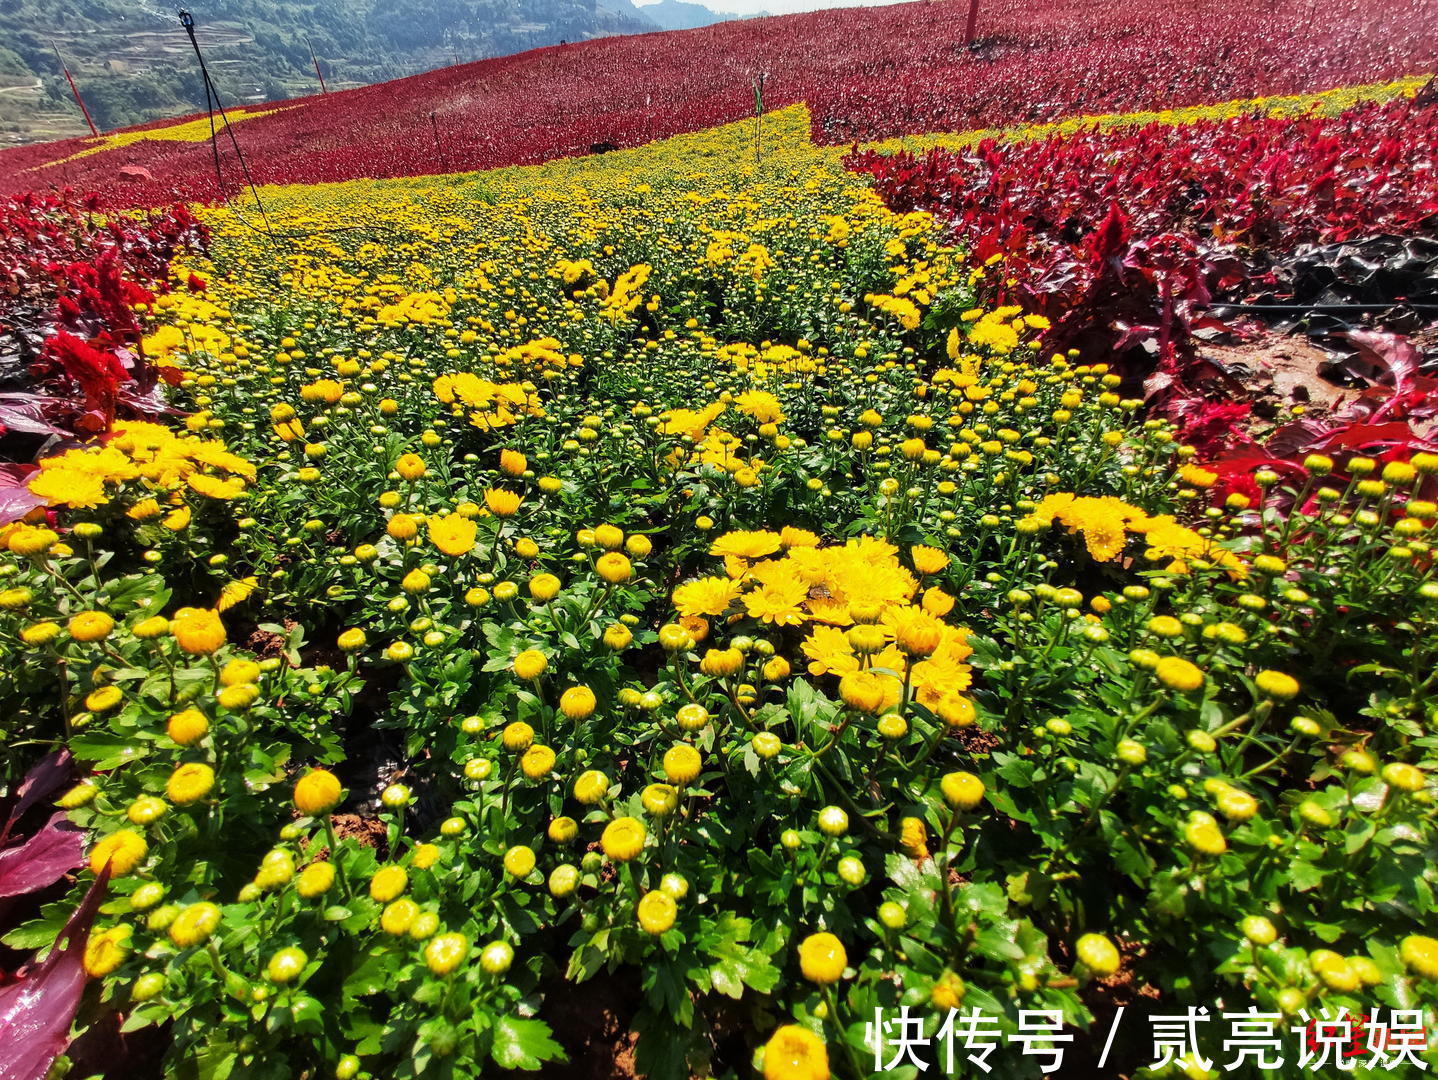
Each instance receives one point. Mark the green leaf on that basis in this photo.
(307, 1013)
(144, 1017)
(1029, 888)
(1304, 875)
(664, 986)
(214, 1060)
(661, 1053)
(997, 943)
(38, 933)
(1357, 835)
(372, 976)
(1127, 856)
(523, 1044)
(584, 964)
(737, 966)
(106, 752)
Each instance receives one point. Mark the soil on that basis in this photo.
(102, 1050)
(1274, 372)
(975, 741)
(594, 1027)
(363, 830)
(1279, 371)
(267, 643)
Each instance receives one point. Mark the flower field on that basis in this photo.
(1134, 235)
(864, 73)
(657, 611)
(69, 281)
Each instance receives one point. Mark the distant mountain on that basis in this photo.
(132, 61)
(681, 15)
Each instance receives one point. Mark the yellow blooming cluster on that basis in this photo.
(577, 272)
(906, 312)
(487, 404)
(729, 248)
(421, 307)
(1106, 523)
(1103, 523)
(628, 292)
(761, 405)
(868, 613)
(770, 361)
(163, 462)
(715, 446)
(999, 331)
(544, 357)
(191, 329)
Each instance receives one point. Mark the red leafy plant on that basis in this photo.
(38, 1009)
(865, 73)
(51, 851)
(70, 279)
(1125, 239)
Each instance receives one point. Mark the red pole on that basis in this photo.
(973, 24)
(75, 90)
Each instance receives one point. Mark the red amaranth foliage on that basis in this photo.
(96, 374)
(864, 73)
(1248, 181)
(1125, 238)
(69, 280)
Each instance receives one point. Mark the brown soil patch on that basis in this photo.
(266, 643)
(975, 741)
(1279, 371)
(364, 830)
(592, 1023)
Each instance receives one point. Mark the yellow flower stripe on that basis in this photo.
(186, 131)
(1325, 103)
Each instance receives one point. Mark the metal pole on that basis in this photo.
(758, 116)
(316, 61)
(971, 29)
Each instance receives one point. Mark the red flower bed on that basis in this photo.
(1262, 182)
(70, 355)
(1127, 235)
(864, 72)
(1127, 239)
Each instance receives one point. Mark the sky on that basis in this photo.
(775, 7)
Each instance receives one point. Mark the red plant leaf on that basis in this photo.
(45, 776)
(43, 859)
(1393, 357)
(26, 412)
(1395, 433)
(37, 1010)
(15, 498)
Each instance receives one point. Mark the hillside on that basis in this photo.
(864, 73)
(132, 62)
(681, 15)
